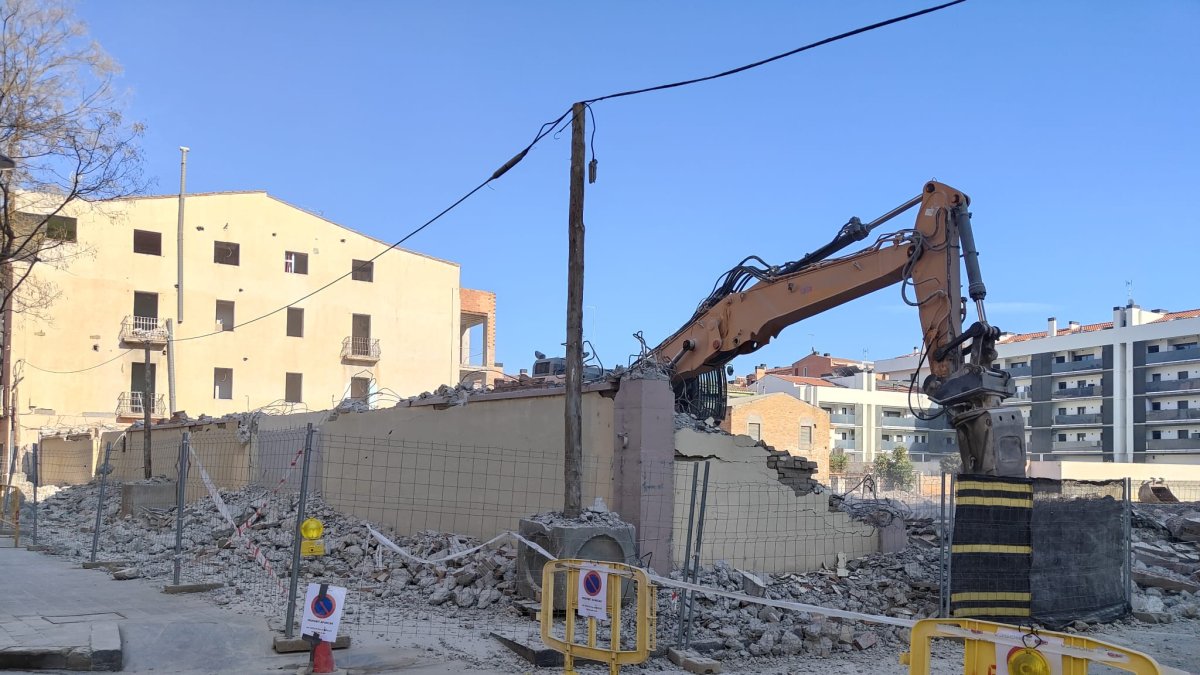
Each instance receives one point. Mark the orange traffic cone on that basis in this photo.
(322, 658)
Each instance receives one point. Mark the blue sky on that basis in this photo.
(1072, 125)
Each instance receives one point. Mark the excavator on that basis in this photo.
(754, 301)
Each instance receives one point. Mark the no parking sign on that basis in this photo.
(322, 611)
(593, 592)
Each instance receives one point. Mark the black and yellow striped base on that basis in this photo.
(991, 553)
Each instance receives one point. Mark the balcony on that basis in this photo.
(1092, 419)
(1174, 355)
(1172, 415)
(1077, 366)
(1076, 392)
(1075, 445)
(133, 404)
(843, 419)
(144, 330)
(360, 350)
(903, 422)
(847, 444)
(1190, 384)
(1173, 444)
(1020, 371)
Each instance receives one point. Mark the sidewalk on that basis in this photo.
(47, 602)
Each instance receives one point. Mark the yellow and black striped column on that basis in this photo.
(991, 553)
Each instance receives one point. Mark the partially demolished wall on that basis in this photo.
(753, 520)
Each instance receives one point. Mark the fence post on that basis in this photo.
(296, 537)
(687, 547)
(696, 559)
(1127, 563)
(180, 498)
(104, 470)
(942, 580)
(35, 470)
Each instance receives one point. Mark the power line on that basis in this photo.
(756, 64)
(81, 370)
(545, 129)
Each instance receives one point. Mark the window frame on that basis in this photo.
(361, 268)
(288, 328)
(157, 240)
(217, 382)
(232, 246)
(295, 262)
(287, 386)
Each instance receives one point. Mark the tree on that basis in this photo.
(900, 469)
(838, 461)
(61, 122)
(951, 463)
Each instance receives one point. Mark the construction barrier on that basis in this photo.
(991, 555)
(589, 594)
(11, 493)
(1001, 649)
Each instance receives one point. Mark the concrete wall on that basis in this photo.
(753, 521)
(66, 460)
(413, 303)
(1076, 470)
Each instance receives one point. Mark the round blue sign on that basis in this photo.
(323, 606)
(591, 583)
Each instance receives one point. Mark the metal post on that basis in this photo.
(147, 405)
(687, 636)
(180, 497)
(573, 463)
(950, 541)
(183, 151)
(297, 537)
(104, 470)
(688, 547)
(35, 470)
(171, 369)
(1127, 571)
(942, 549)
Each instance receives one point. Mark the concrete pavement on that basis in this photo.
(49, 601)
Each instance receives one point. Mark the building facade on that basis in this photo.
(98, 356)
(782, 422)
(868, 416)
(1126, 390)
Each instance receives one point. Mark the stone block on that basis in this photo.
(892, 537)
(286, 645)
(107, 654)
(693, 663)
(565, 539)
(135, 496)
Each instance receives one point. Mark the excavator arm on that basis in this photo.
(739, 318)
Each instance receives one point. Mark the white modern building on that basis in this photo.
(868, 415)
(1126, 390)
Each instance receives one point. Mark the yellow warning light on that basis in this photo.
(1028, 662)
(312, 528)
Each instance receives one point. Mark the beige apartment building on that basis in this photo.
(396, 326)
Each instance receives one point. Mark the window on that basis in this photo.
(1156, 405)
(226, 253)
(1156, 377)
(295, 322)
(293, 387)
(362, 270)
(1060, 359)
(1062, 437)
(1020, 364)
(61, 228)
(892, 413)
(1062, 385)
(1080, 436)
(1081, 383)
(149, 243)
(1181, 375)
(145, 305)
(1152, 349)
(805, 373)
(1080, 410)
(223, 383)
(1062, 411)
(754, 430)
(137, 377)
(845, 411)
(295, 263)
(360, 388)
(1182, 433)
(1181, 345)
(887, 437)
(805, 436)
(1156, 435)
(1182, 405)
(225, 314)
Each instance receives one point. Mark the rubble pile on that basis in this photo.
(686, 421)
(901, 585)
(1165, 543)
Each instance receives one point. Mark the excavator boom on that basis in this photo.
(740, 318)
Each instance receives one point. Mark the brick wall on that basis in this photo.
(780, 418)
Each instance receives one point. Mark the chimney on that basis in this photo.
(1051, 327)
(760, 371)
(524, 371)
(1073, 326)
(1118, 317)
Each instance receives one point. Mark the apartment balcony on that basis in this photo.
(1174, 356)
(901, 422)
(1020, 371)
(1182, 414)
(1190, 384)
(843, 419)
(360, 350)
(1093, 419)
(133, 404)
(1075, 445)
(847, 444)
(144, 330)
(1077, 366)
(1173, 444)
(1076, 392)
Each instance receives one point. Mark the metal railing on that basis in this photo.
(1077, 366)
(133, 404)
(1087, 418)
(1173, 444)
(1178, 414)
(1173, 385)
(1172, 355)
(1075, 392)
(360, 349)
(844, 444)
(843, 419)
(143, 329)
(1075, 445)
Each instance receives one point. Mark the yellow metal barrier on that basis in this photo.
(1000, 649)
(5, 491)
(589, 579)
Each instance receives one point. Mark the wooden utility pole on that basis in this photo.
(147, 405)
(573, 464)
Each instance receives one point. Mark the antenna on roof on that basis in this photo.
(1129, 291)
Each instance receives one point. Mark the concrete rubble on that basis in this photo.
(1166, 562)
